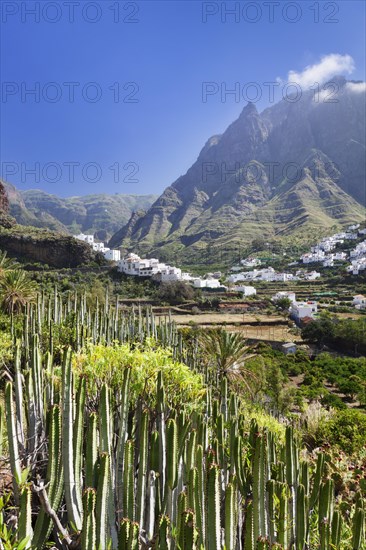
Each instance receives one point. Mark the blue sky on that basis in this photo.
(133, 117)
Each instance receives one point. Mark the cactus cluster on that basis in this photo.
(111, 474)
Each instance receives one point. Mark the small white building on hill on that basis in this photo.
(246, 290)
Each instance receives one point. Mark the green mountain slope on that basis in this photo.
(295, 167)
(99, 214)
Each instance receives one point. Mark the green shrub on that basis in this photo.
(346, 429)
(101, 363)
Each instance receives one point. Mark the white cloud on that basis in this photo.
(357, 87)
(329, 65)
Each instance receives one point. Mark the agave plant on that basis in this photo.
(16, 290)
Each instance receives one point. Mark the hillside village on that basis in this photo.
(326, 252)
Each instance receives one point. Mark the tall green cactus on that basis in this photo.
(11, 425)
(128, 482)
(102, 502)
(230, 516)
(358, 528)
(25, 516)
(325, 513)
(72, 485)
(143, 471)
(89, 537)
(213, 508)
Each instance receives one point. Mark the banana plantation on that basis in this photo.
(116, 434)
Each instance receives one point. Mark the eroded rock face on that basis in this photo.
(46, 247)
(38, 245)
(244, 178)
(5, 219)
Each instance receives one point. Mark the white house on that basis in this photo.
(86, 238)
(289, 347)
(340, 256)
(303, 309)
(284, 294)
(359, 301)
(311, 275)
(206, 283)
(246, 290)
(169, 273)
(99, 247)
(112, 255)
(251, 262)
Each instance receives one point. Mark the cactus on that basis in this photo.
(230, 516)
(11, 424)
(259, 506)
(1, 429)
(301, 518)
(91, 461)
(249, 533)
(54, 478)
(163, 540)
(88, 537)
(218, 485)
(142, 473)
(326, 503)
(25, 516)
(72, 485)
(283, 520)
(336, 529)
(317, 480)
(213, 508)
(188, 535)
(128, 482)
(358, 528)
(102, 502)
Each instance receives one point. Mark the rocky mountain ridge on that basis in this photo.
(295, 167)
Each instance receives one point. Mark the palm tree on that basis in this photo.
(228, 352)
(16, 290)
(5, 263)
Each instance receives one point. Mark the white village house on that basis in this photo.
(359, 301)
(246, 290)
(284, 294)
(300, 310)
(112, 255)
(86, 238)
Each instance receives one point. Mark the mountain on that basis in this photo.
(33, 244)
(100, 214)
(295, 169)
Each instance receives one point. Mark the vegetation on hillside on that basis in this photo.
(119, 431)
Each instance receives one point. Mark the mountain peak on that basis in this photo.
(249, 109)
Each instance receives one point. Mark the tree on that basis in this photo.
(5, 263)
(227, 352)
(175, 292)
(16, 290)
(319, 331)
(283, 303)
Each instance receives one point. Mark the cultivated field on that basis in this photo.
(251, 326)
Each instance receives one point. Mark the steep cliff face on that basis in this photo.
(259, 171)
(5, 219)
(46, 247)
(40, 245)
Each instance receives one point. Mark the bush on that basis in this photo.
(346, 429)
(99, 363)
(175, 292)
